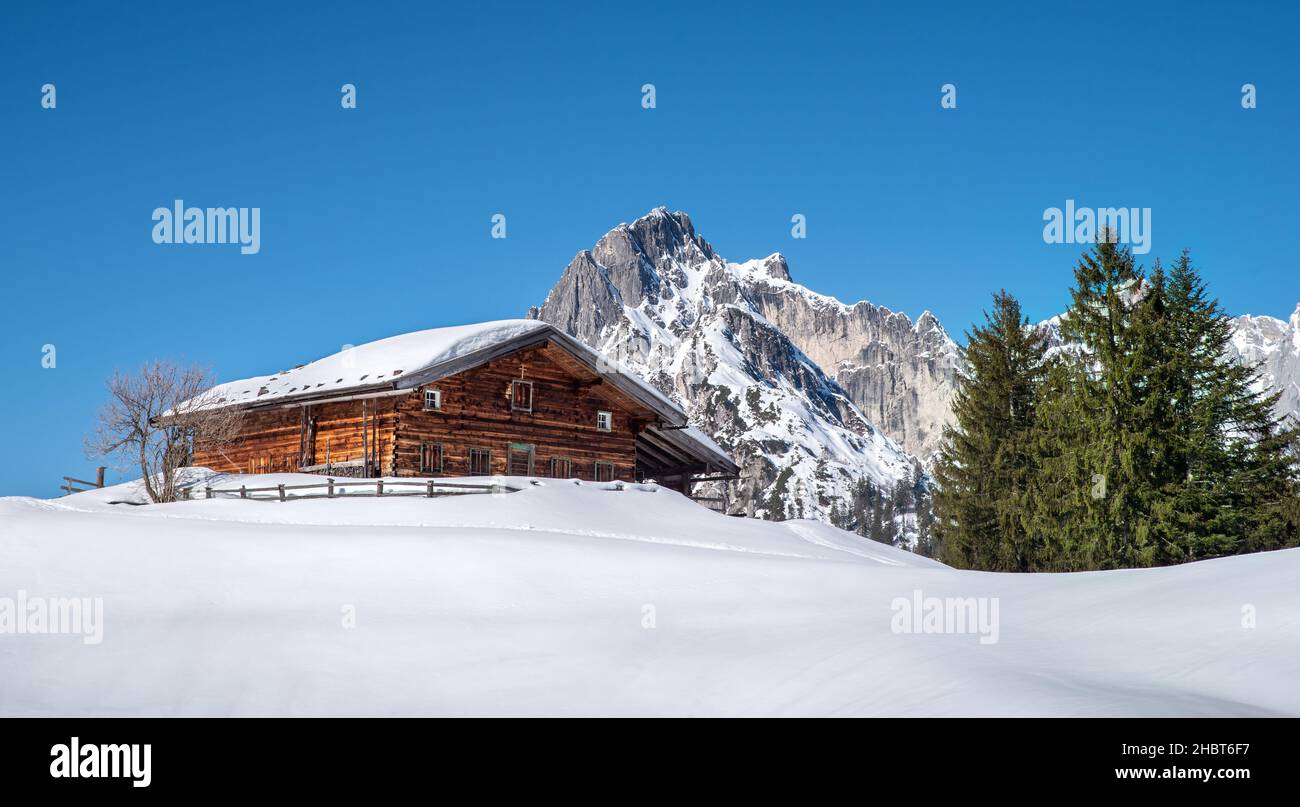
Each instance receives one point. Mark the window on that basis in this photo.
(604, 421)
(521, 396)
(520, 461)
(430, 458)
(604, 471)
(432, 399)
(561, 468)
(480, 462)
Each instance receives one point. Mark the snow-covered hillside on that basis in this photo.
(583, 599)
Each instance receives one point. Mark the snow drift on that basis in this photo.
(595, 599)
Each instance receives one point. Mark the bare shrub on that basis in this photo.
(154, 418)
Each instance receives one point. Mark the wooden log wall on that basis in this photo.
(275, 440)
(476, 413)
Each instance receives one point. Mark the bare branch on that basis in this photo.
(155, 417)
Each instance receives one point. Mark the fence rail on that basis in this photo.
(346, 489)
(69, 481)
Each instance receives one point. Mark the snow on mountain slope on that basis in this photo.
(575, 599)
(902, 375)
(1274, 345)
(656, 297)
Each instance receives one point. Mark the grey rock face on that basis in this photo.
(584, 301)
(1272, 345)
(654, 295)
(900, 374)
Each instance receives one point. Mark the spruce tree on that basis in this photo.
(875, 515)
(1152, 462)
(1237, 463)
(925, 541)
(1093, 501)
(1152, 444)
(1056, 511)
(984, 472)
(859, 508)
(889, 523)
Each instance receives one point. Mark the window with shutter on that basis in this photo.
(431, 458)
(521, 396)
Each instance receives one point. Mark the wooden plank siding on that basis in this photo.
(272, 440)
(476, 413)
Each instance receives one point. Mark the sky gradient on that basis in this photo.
(377, 220)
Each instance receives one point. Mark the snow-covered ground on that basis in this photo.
(570, 598)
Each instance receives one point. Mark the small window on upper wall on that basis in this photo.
(521, 396)
(604, 421)
(433, 399)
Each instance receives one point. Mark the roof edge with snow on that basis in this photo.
(404, 362)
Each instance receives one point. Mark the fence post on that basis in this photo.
(99, 476)
(429, 494)
(329, 492)
(379, 487)
(243, 492)
(281, 487)
(207, 491)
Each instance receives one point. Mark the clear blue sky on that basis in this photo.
(376, 220)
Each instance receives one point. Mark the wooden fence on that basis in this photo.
(334, 489)
(69, 481)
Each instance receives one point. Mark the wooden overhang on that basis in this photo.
(674, 453)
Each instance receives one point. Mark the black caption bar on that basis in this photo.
(137, 757)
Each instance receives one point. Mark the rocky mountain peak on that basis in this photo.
(776, 267)
(656, 238)
(654, 295)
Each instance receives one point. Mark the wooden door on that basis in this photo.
(520, 462)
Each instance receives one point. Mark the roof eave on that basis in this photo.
(667, 413)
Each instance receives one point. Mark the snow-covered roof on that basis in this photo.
(696, 443)
(372, 364)
(410, 359)
(692, 433)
